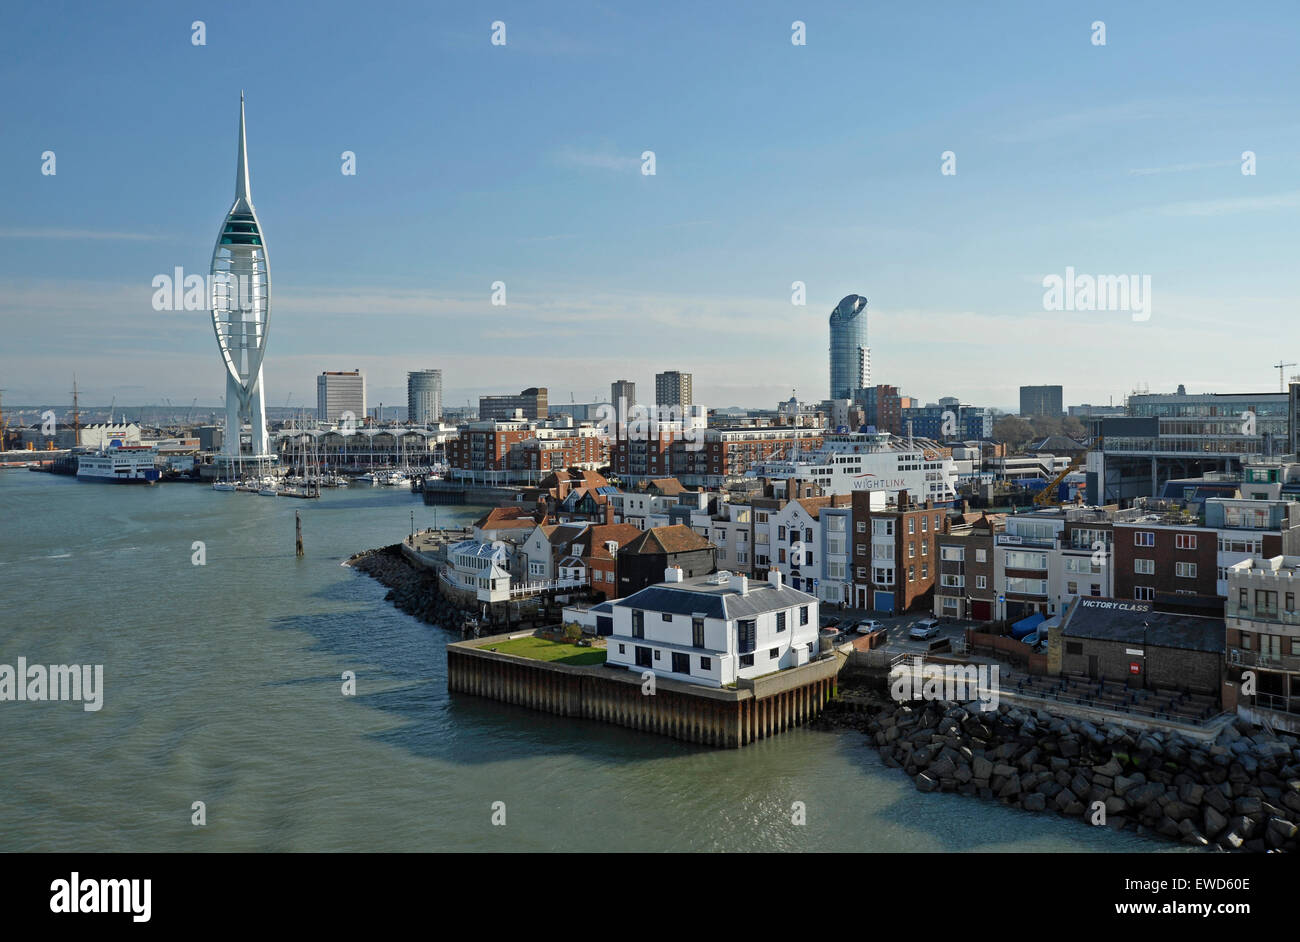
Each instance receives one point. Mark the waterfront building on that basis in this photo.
(852, 461)
(713, 630)
(241, 314)
(895, 547)
(1041, 401)
(850, 357)
(797, 549)
(673, 389)
(341, 397)
(966, 586)
(642, 561)
(531, 402)
(1137, 645)
(1263, 637)
(424, 397)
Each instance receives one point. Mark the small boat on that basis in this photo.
(223, 486)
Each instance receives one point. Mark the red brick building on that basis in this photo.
(895, 557)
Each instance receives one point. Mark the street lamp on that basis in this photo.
(412, 529)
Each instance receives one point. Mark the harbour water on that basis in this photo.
(222, 684)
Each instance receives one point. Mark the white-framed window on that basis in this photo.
(1144, 593)
(1145, 567)
(1144, 538)
(1185, 570)
(1185, 541)
(981, 582)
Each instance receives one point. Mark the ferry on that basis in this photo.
(126, 464)
(870, 461)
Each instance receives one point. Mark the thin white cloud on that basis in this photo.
(1230, 205)
(603, 159)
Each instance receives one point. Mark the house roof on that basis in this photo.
(597, 536)
(1056, 443)
(499, 517)
(659, 541)
(667, 486)
(699, 596)
(1135, 623)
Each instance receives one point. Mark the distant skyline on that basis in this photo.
(774, 163)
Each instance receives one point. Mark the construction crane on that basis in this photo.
(1047, 496)
(1280, 366)
(191, 412)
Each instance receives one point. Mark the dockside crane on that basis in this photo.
(1280, 366)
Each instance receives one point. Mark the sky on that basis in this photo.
(775, 163)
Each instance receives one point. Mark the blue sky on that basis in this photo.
(775, 163)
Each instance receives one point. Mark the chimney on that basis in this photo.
(744, 585)
(673, 574)
(774, 578)
(609, 513)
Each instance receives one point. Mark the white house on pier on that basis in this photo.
(713, 629)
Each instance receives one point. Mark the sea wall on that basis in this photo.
(706, 715)
(1239, 792)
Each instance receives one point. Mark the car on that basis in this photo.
(925, 628)
(869, 626)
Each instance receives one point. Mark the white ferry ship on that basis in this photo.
(871, 461)
(128, 464)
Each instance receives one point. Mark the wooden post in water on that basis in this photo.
(297, 525)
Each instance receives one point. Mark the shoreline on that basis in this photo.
(1240, 793)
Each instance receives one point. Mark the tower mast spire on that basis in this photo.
(242, 188)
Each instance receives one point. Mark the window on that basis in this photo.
(1265, 602)
(981, 556)
(1245, 640)
(745, 634)
(780, 555)
(642, 656)
(1072, 588)
(1074, 647)
(1144, 593)
(1185, 570)
(911, 573)
(911, 549)
(747, 660)
(780, 621)
(697, 632)
(861, 572)
(667, 616)
(1145, 567)
(925, 570)
(638, 624)
(1095, 591)
(861, 526)
(925, 548)
(621, 649)
(803, 614)
(1144, 538)
(1290, 601)
(657, 653)
(911, 525)
(981, 582)
(1185, 541)
(780, 533)
(773, 654)
(924, 521)
(681, 663)
(862, 549)
(807, 535)
(706, 664)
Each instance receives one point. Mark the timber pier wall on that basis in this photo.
(711, 716)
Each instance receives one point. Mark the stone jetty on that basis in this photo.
(411, 589)
(1239, 792)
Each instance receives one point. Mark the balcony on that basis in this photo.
(1243, 657)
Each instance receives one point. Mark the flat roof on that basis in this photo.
(1129, 622)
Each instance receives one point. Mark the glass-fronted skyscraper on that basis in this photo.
(850, 355)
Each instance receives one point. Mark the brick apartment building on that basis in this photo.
(966, 586)
(895, 551)
(484, 446)
(1158, 559)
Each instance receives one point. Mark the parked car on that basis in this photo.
(870, 626)
(925, 628)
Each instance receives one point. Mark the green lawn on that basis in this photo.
(540, 649)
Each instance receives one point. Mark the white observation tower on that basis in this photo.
(241, 312)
